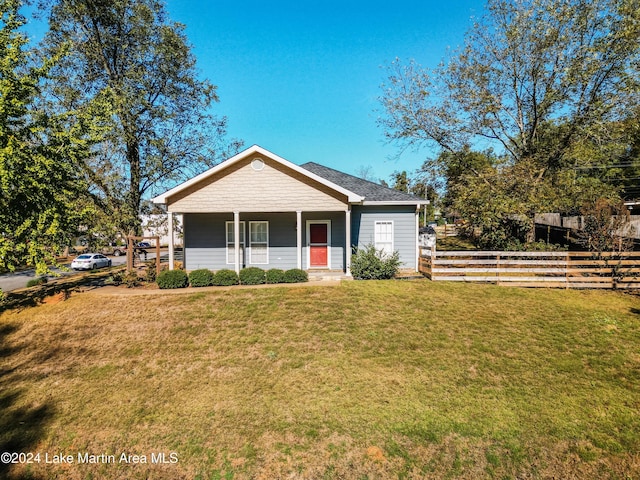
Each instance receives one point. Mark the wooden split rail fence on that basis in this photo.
(535, 269)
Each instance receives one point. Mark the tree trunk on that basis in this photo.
(134, 197)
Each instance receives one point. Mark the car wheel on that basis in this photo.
(94, 266)
(117, 253)
(109, 263)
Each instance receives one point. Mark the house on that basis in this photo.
(258, 209)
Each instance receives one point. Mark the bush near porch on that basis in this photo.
(368, 263)
(225, 277)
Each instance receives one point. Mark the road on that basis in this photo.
(17, 280)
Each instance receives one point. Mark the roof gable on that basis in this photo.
(356, 190)
(255, 150)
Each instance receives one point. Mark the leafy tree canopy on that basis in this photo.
(39, 154)
(552, 87)
(131, 67)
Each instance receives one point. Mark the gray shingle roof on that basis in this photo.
(372, 192)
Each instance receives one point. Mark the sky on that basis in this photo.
(302, 78)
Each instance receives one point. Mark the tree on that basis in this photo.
(606, 226)
(538, 81)
(130, 66)
(39, 155)
(365, 172)
(417, 186)
(400, 181)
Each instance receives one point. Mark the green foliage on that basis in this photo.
(2, 296)
(554, 89)
(173, 279)
(134, 72)
(37, 281)
(225, 278)
(39, 155)
(370, 264)
(201, 278)
(150, 275)
(498, 203)
(132, 280)
(295, 275)
(606, 227)
(117, 277)
(252, 276)
(275, 275)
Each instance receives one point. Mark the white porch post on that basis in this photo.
(416, 240)
(347, 240)
(236, 240)
(299, 237)
(170, 215)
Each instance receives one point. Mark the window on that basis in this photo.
(231, 259)
(384, 236)
(258, 242)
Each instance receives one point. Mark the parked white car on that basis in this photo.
(90, 261)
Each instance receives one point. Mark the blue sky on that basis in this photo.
(302, 79)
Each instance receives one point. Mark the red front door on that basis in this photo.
(318, 245)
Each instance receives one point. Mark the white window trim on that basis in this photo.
(308, 242)
(393, 234)
(251, 262)
(243, 229)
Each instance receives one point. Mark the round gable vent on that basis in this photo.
(257, 164)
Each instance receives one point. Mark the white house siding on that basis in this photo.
(275, 188)
(363, 220)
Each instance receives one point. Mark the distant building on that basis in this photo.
(157, 225)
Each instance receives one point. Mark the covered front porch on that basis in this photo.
(309, 240)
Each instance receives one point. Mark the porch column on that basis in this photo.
(299, 237)
(347, 240)
(170, 214)
(416, 238)
(236, 240)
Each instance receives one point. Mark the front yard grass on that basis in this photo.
(367, 380)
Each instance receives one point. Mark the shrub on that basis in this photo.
(131, 279)
(225, 277)
(275, 275)
(173, 279)
(252, 276)
(2, 296)
(151, 274)
(370, 264)
(201, 278)
(36, 281)
(295, 275)
(117, 277)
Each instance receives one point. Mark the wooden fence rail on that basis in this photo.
(535, 269)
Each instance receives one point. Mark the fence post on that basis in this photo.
(433, 258)
(129, 254)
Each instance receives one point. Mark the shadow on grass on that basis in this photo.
(66, 285)
(21, 426)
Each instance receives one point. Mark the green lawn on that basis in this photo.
(368, 380)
